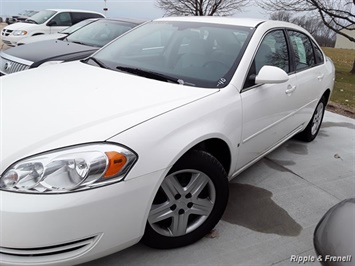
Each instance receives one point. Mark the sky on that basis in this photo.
(140, 9)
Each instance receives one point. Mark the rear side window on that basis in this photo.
(79, 16)
(318, 54)
(303, 50)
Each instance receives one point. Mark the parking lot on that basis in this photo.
(273, 208)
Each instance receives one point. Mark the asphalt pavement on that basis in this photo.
(273, 208)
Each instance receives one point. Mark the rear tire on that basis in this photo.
(312, 129)
(189, 203)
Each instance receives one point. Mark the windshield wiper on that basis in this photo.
(75, 42)
(150, 74)
(97, 61)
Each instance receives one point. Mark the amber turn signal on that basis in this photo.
(116, 161)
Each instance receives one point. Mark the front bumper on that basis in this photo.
(72, 228)
(9, 39)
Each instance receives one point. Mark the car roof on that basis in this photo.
(72, 10)
(247, 22)
(130, 20)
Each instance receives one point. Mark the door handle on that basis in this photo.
(290, 89)
(320, 77)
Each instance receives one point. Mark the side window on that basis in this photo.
(272, 51)
(79, 16)
(303, 50)
(318, 54)
(61, 19)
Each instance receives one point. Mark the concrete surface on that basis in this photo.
(274, 206)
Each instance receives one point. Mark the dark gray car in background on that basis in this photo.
(78, 45)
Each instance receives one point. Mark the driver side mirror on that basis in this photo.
(52, 23)
(271, 75)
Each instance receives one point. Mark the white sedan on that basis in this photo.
(138, 141)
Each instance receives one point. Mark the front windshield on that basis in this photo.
(77, 26)
(100, 32)
(195, 54)
(41, 16)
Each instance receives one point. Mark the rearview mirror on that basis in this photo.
(271, 75)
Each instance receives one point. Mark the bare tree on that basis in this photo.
(201, 7)
(313, 24)
(335, 14)
(282, 16)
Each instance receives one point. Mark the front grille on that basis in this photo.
(41, 254)
(8, 66)
(6, 32)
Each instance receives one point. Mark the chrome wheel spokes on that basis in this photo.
(184, 201)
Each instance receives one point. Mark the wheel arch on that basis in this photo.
(326, 95)
(218, 148)
(37, 33)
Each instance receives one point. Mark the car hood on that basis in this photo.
(72, 103)
(48, 50)
(43, 37)
(22, 26)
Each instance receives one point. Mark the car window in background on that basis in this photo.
(304, 57)
(99, 32)
(77, 26)
(79, 16)
(61, 19)
(41, 16)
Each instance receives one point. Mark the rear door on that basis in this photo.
(309, 66)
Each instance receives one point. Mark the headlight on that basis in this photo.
(68, 169)
(19, 32)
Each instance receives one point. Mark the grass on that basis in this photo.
(344, 88)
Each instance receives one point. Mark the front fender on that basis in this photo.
(162, 140)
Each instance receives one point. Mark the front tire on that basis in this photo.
(312, 129)
(189, 203)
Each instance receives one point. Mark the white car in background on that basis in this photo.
(49, 21)
(138, 141)
(60, 35)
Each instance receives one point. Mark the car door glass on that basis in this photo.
(318, 54)
(61, 19)
(303, 51)
(272, 51)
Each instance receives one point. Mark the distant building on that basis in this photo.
(343, 42)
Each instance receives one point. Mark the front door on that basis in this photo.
(267, 108)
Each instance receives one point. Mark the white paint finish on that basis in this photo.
(267, 117)
(41, 221)
(93, 110)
